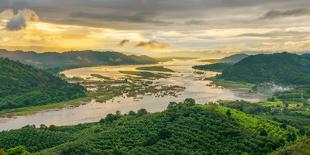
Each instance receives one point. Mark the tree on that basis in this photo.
(142, 112)
(189, 101)
(164, 133)
(263, 132)
(131, 113)
(228, 113)
(18, 150)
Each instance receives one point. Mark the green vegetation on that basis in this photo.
(300, 148)
(287, 113)
(231, 84)
(23, 86)
(218, 67)
(155, 68)
(184, 128)
(55, 62)
(146, 75)
(100, 76)
(280, 68)
(129, 87)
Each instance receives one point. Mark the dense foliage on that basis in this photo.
(280, 68)
(217, 67)
(301, 148)
(59, 61)
(184, 128)
(22, 85)
(287, 113)
(155, 68)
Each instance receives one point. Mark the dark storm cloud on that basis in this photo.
(16, 23)
(139, 17)
(285, 13)
(141, 14)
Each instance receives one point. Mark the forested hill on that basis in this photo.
(59, 61)
(184, 128)
(282, 68)
(23, 85)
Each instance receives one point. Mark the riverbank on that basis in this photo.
(35, 109)
(231, 84)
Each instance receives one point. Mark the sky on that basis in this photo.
(156, 27)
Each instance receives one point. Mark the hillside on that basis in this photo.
(234, 58)
(294, 114)
(22, 85)
(217, 67)
(280, 68)
(301, 148)
(59, 61)
(184, 128)
(230, 59)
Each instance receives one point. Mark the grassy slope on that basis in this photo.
(300, 148)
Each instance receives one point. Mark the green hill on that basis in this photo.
(301, 148)
(59, 61)
(217, 67)
(184, 128)
(280, 68)
(22, 85)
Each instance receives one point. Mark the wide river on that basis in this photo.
(196, 88)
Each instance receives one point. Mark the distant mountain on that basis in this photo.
(230, 59)
(23, 85)
(234, 58)
(281, 68)
(59, 61)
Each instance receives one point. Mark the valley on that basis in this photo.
(114, 91)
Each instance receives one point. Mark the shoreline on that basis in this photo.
(10, 113)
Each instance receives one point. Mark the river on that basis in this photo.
(198, 89)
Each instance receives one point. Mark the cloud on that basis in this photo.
(273, 14)
(153, 45)
(135, 17)
(195, 22)
(123, 43)
(19, 20)
(273, 34)
(16, 23)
